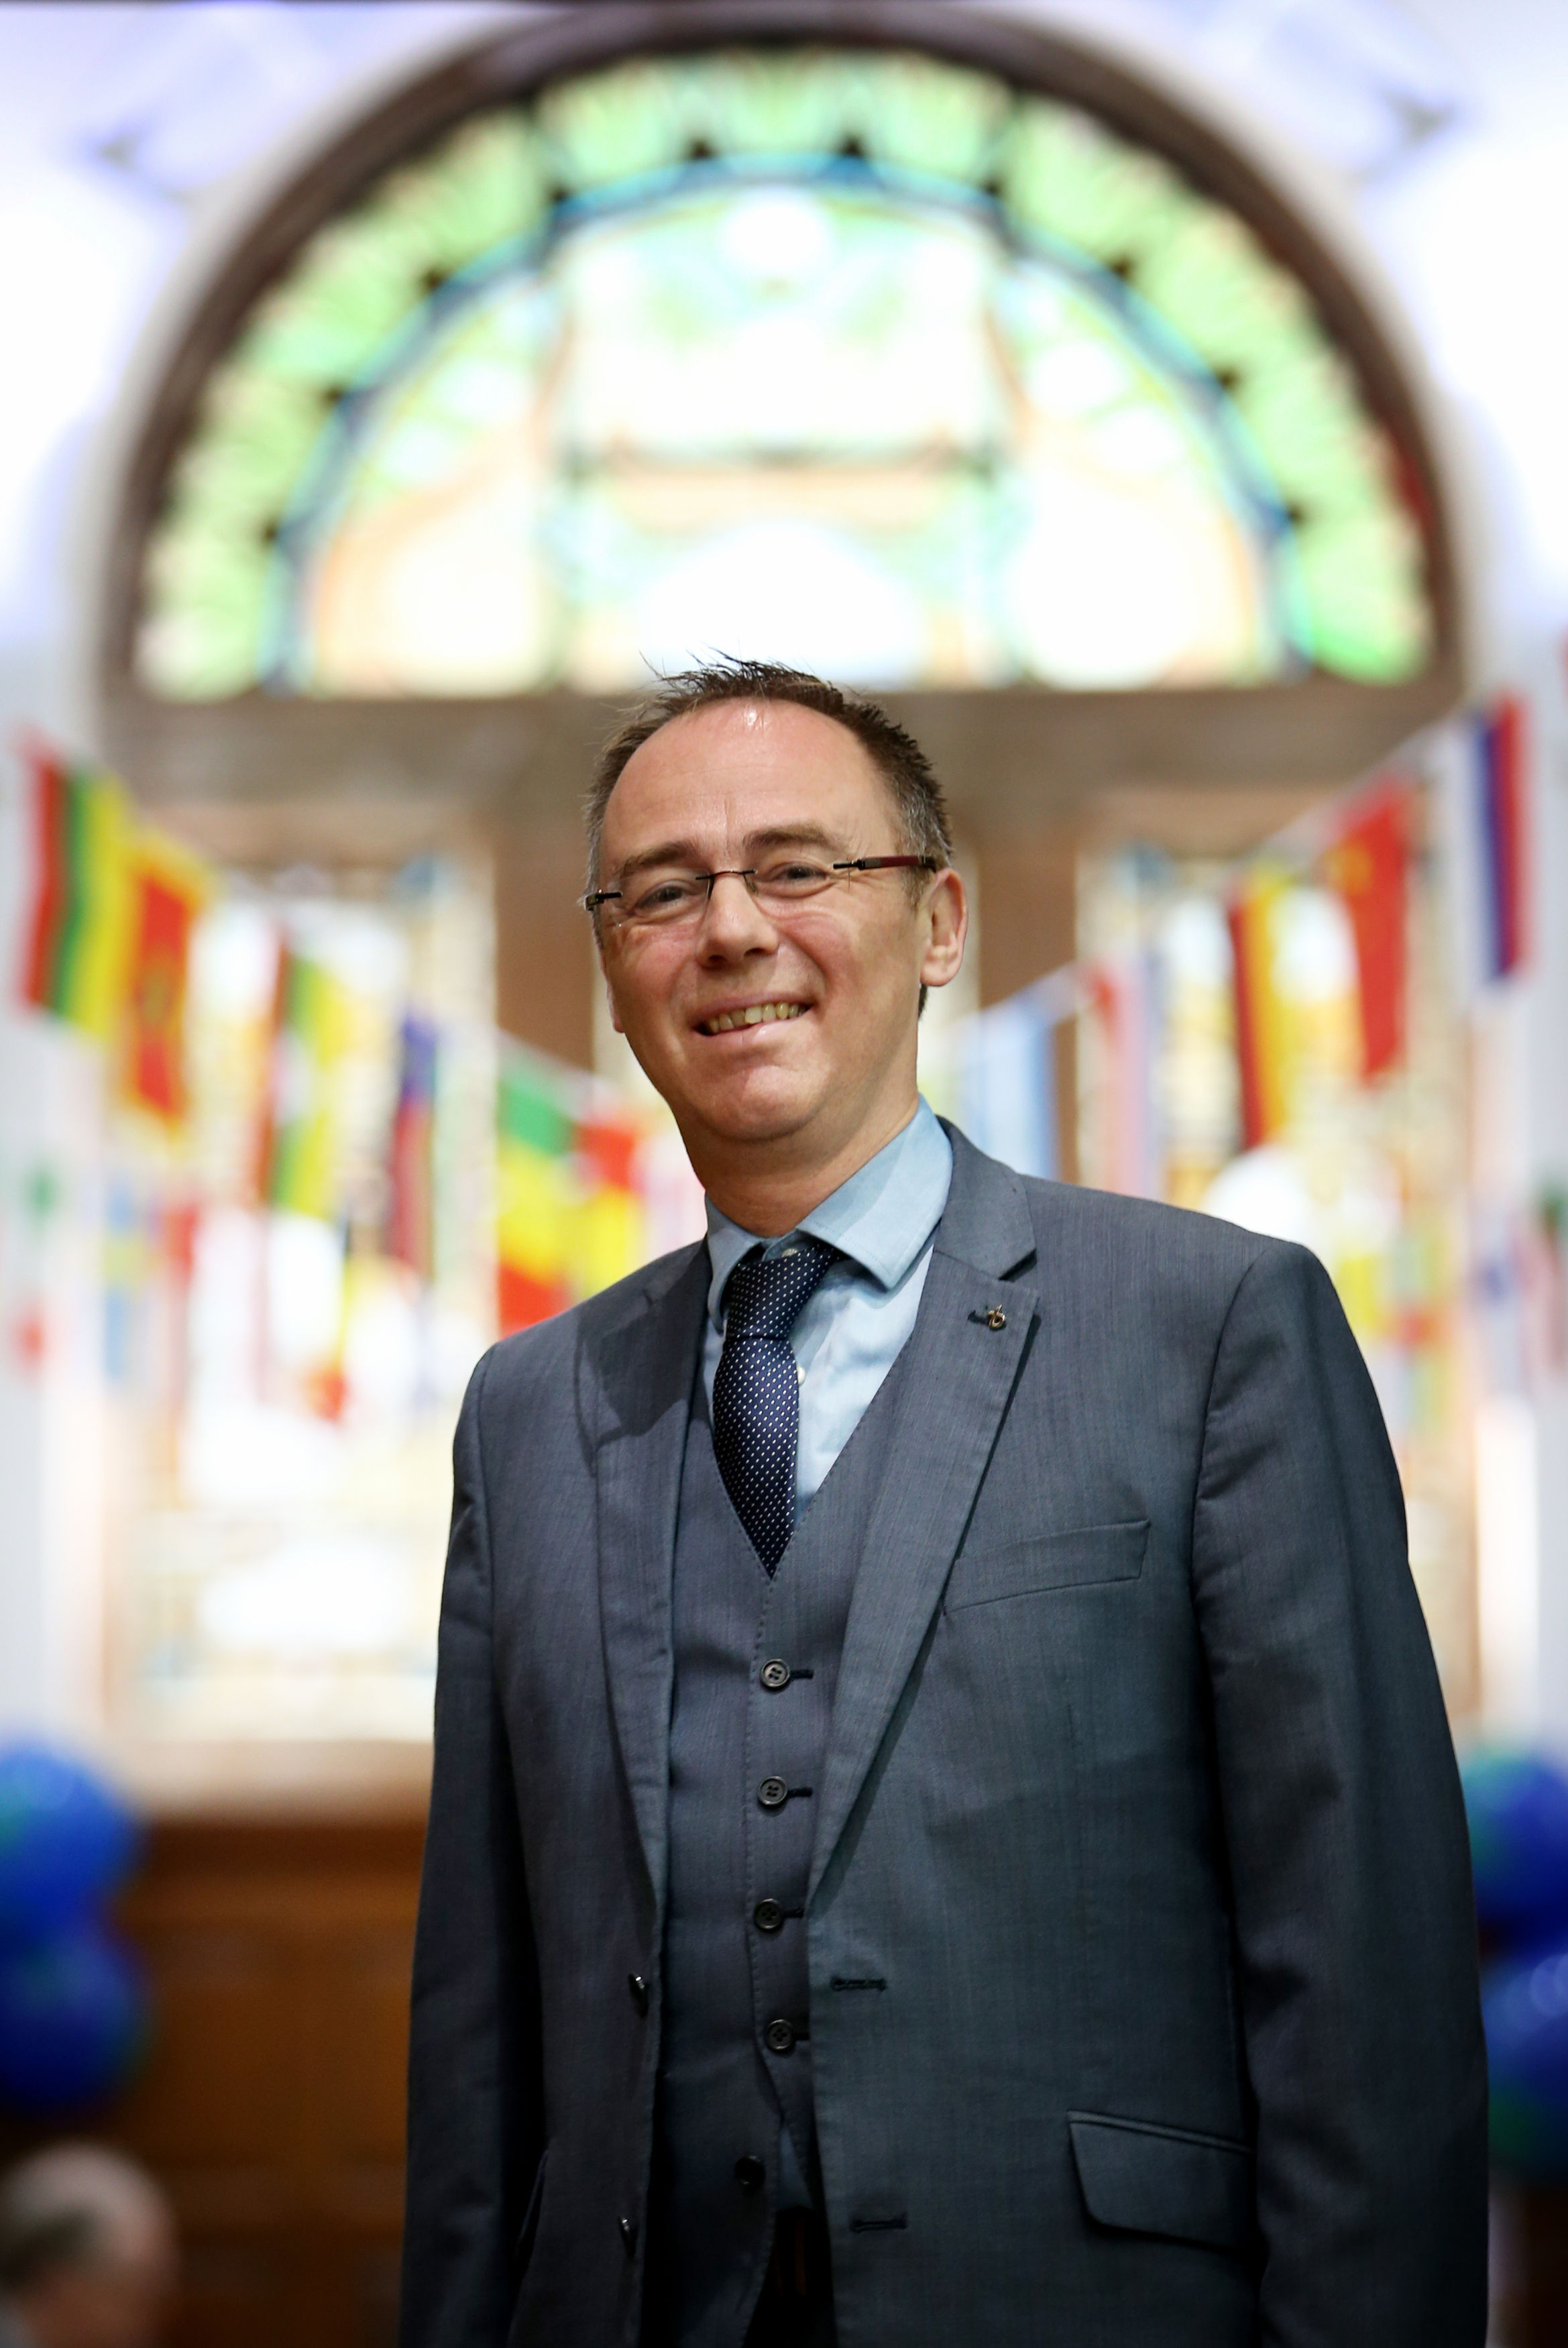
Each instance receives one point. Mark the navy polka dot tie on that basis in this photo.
(756, 1388)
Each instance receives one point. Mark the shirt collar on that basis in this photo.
(881, 1218)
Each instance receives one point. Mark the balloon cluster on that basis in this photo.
(73, 2005)
(1518, 1809)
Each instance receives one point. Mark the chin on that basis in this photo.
(757, 1110)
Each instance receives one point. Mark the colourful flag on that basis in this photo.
(570, 1218)
(1369, 865)
(1123, 994)
(311, 1024)
(411, 1203)
(79, 933)
(169, 888)
(1500, 744)
(1262, 1027)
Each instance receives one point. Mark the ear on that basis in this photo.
(946, 917)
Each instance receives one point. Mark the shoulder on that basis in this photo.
(537, 1364)
(1142, 1254)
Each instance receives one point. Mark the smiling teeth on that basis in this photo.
(755, 1014)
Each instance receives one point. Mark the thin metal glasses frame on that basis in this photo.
(748, 872)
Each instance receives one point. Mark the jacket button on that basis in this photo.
(750, 2174)
(772, 1792)
(774, 1675)
(768, 1916)
(638, 1989)
(629, 2235)
(779, 2036)
(996, 1318)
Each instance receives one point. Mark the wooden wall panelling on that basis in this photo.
(272, 2100)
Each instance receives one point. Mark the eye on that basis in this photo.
(793, 873)
(662, 896)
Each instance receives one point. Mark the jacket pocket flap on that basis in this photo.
(1049, 1562)
(1143, 2180)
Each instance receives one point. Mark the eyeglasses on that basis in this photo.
(663, 899)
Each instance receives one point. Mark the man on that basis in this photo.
(87, 2252)
(944, 1829)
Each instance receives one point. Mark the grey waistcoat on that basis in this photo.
(738, 1855)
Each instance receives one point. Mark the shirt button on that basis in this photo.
(768, 1916)
(772, 1792)
(750, 2175)
(776, 1675)
(779, 2036)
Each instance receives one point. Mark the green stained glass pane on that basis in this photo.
(1362, 578)
(931, 117)
(1314, 434)
(485, 186)
(257, 433)
(1064, 177)
(357, 283)
(202, 641)
(777, 102)
(1213, 283)
(615, 124)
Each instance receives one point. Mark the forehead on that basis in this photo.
(741, 767)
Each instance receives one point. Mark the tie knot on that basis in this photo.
(764, 1295)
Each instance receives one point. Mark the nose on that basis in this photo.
(733, 924)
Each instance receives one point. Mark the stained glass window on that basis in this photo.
(859, 358)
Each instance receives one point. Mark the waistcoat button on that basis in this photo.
(772, 1792)
(638, 1989)
(774, 1675)
(779, 2036)
(750, 2174)
(628, 2235)
(768, 1916)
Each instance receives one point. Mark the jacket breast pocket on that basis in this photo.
(1140, 2178)
(1068, 1560)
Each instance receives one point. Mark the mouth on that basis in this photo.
(752, 1015)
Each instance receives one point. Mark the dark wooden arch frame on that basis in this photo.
(1005, 752)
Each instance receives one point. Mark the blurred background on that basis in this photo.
(1158, 403)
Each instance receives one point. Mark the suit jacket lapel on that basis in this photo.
(959, 1377)
(645, 1367)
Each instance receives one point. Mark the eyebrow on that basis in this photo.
(681, 853)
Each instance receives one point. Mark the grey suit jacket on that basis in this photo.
(1140, 1801)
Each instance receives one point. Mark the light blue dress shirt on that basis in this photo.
(852, 1329)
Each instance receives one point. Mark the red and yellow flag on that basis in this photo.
(169, 890)
(1369, 865)
(78, 936)
(312, 1019)
(1262, 1020)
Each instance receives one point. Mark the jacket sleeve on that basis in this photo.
(1346, 1839)
(474, 2127)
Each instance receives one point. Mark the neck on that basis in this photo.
(769, 1186)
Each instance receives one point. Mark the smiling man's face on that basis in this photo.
(826, 1073)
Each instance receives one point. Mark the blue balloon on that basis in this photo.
(73, 2019)
(1517, 1804)
(66, 1842)
(1525, 2005)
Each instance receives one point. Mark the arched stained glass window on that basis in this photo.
(864, 359)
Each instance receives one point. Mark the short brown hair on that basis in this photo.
(917, 803)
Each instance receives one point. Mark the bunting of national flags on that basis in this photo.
(411, 1169)
(1499, 743)
(571, 1218)
(299, 1169)
(109, 941)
